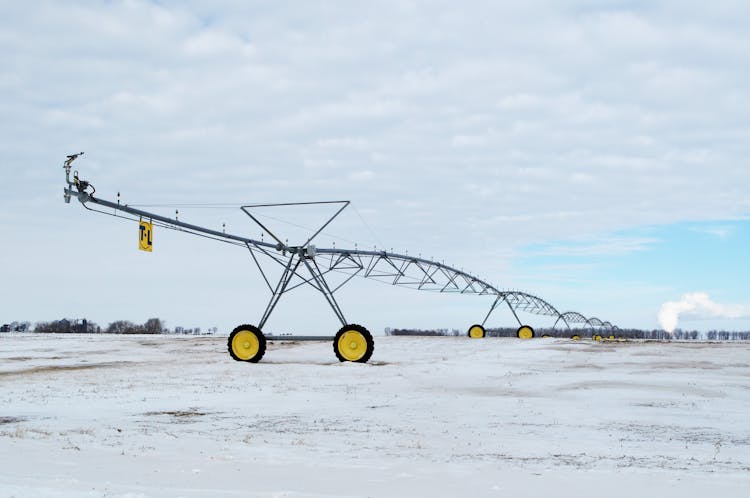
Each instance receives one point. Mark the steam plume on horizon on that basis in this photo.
(697, 304)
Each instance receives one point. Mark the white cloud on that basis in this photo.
(343, 142)
(582, 178)
(698, 305)
(720, 231)
(520, 101)
(215, 43)
(361, 176)
(469, 140)
(613, 246)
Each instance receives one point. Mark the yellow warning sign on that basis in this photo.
(145, 236)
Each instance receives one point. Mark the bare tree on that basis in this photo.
(153, 326)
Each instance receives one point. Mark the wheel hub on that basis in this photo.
(352, 345)
(245, 345)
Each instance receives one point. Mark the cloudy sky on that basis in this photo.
(593, 153)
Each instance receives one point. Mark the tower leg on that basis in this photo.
(494, 305)
(281, 286)
(321, 284)
(514, 313)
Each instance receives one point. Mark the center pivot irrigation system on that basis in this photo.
(308, 265)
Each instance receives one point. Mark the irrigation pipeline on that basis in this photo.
(389, 267)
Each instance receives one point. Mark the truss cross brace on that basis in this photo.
(561, 317)
(317, 281)
(495, 304)
(322, 286)
(281, 286)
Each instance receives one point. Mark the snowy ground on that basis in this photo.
(175, 416)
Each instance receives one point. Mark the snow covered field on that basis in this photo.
(175, 416)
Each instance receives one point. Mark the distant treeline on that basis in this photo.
(157, 326)
(680, 335)
(84, 326)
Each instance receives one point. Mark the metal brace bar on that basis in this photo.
(260, 268)
(278, 260)
(426, 276)
(269, 232)
(346, 281)
(280, 288)
(494, 305)
(514, 314)
(341, 259)
(371, 265)
(431, 276)
(346, 203)
(309, 281)
(451, 280)
(330, 292)
(469, 285)
(560, 317)
(274, 257)
(401, 271)
(324, 289)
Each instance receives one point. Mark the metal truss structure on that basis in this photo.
(574, 317)
(388, 267)
(307, 265)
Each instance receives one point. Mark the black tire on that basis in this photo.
(254, 356)
(476, 326)
(350, 356)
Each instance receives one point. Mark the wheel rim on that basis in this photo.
(245, 345)
(352, 345)
(525, 332)
(476, 332)
(576, 337)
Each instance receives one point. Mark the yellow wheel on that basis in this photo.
(546, 336)
(597, 337)
(575, 337)
(353, 343)
(476, 331)
(247, 343)
(525, 332)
